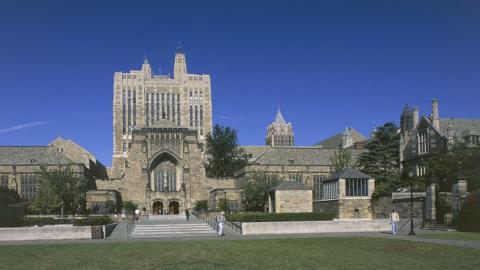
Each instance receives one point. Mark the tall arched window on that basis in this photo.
(165, 177)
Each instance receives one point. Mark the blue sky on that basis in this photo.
(326, 63)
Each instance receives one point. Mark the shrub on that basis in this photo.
(93, 221)
(130, 206)
(42, 221)
(8, 196)
(265, 217)
(469, 217)
(201, 205)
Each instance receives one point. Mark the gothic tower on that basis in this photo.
(279, 132)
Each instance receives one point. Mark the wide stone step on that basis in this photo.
(172, 230)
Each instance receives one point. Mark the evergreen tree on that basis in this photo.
(224, 156)
(382, 160)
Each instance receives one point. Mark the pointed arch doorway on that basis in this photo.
(157, 208)
(173, 208)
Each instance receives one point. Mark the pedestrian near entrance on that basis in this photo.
(187, 214)
(221, 222)
(394, 219)
(137, 214)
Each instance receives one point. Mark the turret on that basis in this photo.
(434, 117)
(347, 139)
(146, 68)
(180, 65)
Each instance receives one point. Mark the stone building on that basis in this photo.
(346, 194)
(19, 164)
(279, 132)
(159, 124)
(308, 165)
(422, 137)
(290, 197)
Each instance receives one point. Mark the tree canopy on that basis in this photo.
(255, 194)
(459, 162)
(57, 187)
(382, 160)
(224, 156)
(341, 159)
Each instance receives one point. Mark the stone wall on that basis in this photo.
(381, 207)
(335, 226)
(330, 206)
(292, 201)
(46, 233)
(354, 208)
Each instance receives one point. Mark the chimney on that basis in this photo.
(416, 116)
(434, 116)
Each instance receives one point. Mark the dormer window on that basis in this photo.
(32, 160)
(422, 142)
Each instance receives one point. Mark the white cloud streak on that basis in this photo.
(23, 126)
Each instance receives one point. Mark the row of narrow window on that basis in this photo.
(356, 187)
(162, 106)
(165, 177)
(196, 110)
(28, 184)
(129, 110)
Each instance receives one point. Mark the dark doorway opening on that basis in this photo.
(157, 208)
(173, 208)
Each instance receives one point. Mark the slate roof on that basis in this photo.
(293, 155)
(348, 173)
(336, 140)
(24, 155)
(291, 185)
(461, 127)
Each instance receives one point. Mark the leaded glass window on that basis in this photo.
(4, 180)
(356, 187)
(165, 177)
(28, 186)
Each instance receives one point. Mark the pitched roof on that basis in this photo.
(293, 155)
(336, 140)
(348, 173)
(461, 127)
(291, 185)
(31, 155)
(279, 117)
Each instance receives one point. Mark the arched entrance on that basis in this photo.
(173, 208)
(157, 208)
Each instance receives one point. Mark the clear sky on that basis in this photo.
(326, 63)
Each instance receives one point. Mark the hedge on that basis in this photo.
(92, 221)
(469, 218)
(266, 217)
(42, 221)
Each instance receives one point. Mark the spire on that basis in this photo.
(279, 117)
(146, 68)
(347, 139)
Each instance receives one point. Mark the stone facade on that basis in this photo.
(159, 128)
(292, 201)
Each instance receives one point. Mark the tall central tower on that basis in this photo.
(279, 132)
(144, 99)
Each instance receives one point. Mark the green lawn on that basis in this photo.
(318, 253)
(464, 236)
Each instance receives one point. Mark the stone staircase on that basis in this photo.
(172, 226)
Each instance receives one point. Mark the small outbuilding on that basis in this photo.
(289, 197)
(347, 194)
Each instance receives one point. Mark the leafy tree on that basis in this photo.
(130, 206)
(459, 161)
(382, 160)
(60, 187)
(201, 205)
(256, 189)
(341, 159)
(223, 205)
(224, 156)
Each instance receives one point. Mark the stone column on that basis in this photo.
(459, 191)
(430, 203)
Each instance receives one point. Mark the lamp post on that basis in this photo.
(412, 232)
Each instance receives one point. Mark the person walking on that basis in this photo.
(137, 215)
(221, 222)
(187, 214)
(394, 219)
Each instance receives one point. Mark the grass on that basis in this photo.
(463, 236)
(318, 253)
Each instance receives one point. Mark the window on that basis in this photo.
(4, 180)
(317, 186)
(421, 170)
(28, 182)
(422, 142)
(329, 189)
(356, 187)
(295, 176)
(124, 109)
(165, 177)
(147, 113)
